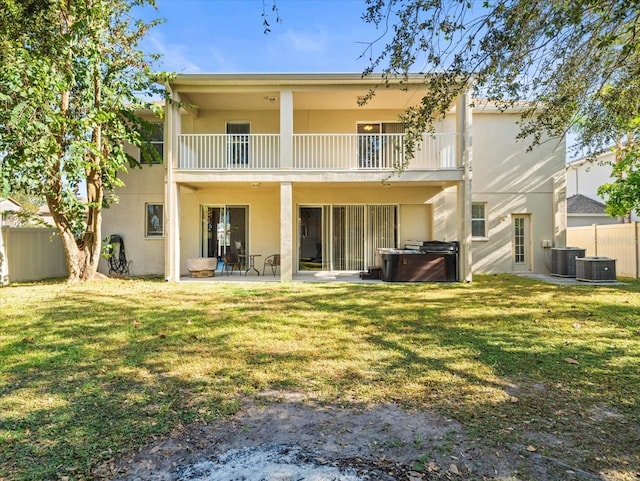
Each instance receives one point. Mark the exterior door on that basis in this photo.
(379, 144)
(238, 143)
(344, 237)
(521, 242)
(222, 228)
(313, 238)
(348, 246)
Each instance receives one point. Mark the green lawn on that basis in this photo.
(93, 370)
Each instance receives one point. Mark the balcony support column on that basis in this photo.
(286, 129)
(286, 232)
(172, 128)
(463, 124)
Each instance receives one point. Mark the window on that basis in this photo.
(154, 220)
(153, 151)
(478, 219)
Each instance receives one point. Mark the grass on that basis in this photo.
(88, 372)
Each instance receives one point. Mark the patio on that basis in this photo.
(354, 278)
(350, 277)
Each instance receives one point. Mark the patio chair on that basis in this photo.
(272, 261)
(230, 263)
(242, 255)
(116, 256)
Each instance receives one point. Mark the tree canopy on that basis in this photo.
(561, 61)
(71, 81)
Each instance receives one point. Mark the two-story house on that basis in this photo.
(290, 164)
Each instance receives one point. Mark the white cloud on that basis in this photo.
(219, 61)
(175, 57)
(305, 42)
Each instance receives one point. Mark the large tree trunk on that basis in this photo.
(82, 256)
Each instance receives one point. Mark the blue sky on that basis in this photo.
(226, 36)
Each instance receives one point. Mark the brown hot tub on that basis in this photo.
(431, 262)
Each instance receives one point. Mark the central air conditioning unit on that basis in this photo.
(596, 269)
(563, 260)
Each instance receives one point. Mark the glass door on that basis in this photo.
(521, 243)
(348, 238)
(313, 238)
(368, 145)
(224, 229)
(238, 143)
(382, 230)
(380, 144)
(344, 237)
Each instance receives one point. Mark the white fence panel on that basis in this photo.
(617, 241)
(582, 237)
(33, 253)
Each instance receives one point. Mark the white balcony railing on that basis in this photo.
(229, 152)
(369, 152)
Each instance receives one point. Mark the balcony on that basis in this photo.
(314, 152)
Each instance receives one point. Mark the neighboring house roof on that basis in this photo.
(9, 204)
(606, 155)
(8, 207)
(581, 204)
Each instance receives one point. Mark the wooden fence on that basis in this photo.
(617, 241)
(33, 253)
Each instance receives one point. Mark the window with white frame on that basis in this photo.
(152, 150)
(479, 219)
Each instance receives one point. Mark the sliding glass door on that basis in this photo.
(313, 238)
(224, 229)
(344, 237)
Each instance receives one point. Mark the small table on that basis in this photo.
(251, 266)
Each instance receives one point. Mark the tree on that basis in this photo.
(71, 77)
(29, 213)
(623, 195)
(554, 59)
(613, 123)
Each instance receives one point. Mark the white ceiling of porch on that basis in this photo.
(304, 100)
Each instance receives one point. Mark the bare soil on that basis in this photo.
(381, 442)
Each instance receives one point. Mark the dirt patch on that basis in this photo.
(284, 436)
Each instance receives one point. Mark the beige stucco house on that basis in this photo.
(290, 164)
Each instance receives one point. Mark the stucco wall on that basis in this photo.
(127, 218)
(214, 122)
(304, 121)
(513, 181)
(586, 219)
(264, 214)
(505, 176)
(264, 217)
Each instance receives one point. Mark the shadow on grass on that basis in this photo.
(93, 371)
